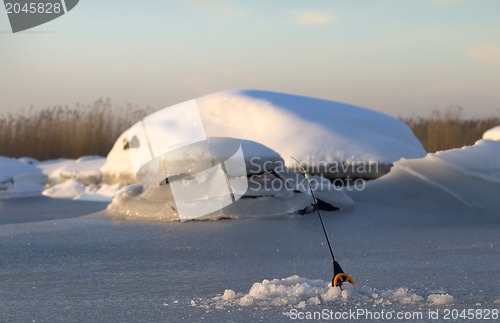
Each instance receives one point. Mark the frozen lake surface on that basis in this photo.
(425, 237)
(77, 265)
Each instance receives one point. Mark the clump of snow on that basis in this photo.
(85, 169)
(283, 292)
(400, 295)
(19, 177)
(128, 192)
(316, 132)
(78, 179)
(229, 295)
(440, 299)
(492, 134)
(334, 293)
(299, 292)
(99, 192)
(67, 190)
(75, 190)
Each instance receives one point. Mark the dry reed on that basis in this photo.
(447, 130)
(58, 132)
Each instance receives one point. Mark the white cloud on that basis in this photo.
(313, 18)
(487, 53)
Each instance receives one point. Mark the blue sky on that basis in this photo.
(401, 57)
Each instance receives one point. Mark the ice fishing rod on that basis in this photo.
(339, 276)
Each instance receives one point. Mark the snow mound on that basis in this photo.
(317, 132)
(201, 156)
(440, 299)
(492, 134)
(466, 180)
(99, 193)
(67, 190)
(299, 292)
(76, 190)
(309, 129)
(263, 185)
(19, 177)
(77, 179)
(270, 194)
(135, 202)
(85, 169)
(229, 295)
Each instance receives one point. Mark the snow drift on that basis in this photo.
(78, 179)
(85, 169)
(20, 177)
(466, 180)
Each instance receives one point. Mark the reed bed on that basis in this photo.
(64, 132)
(447, 130)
